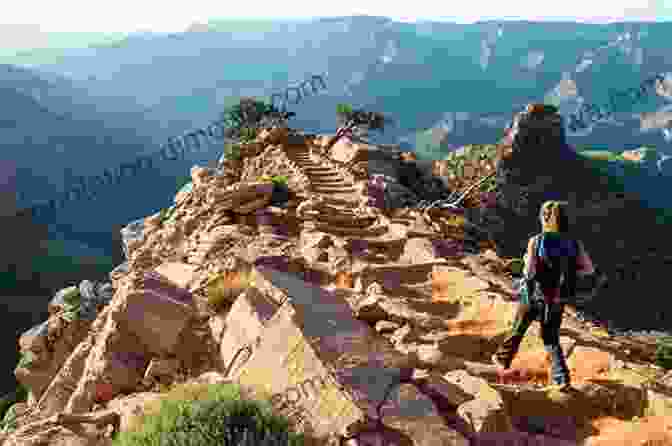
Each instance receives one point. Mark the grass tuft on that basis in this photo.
(232, 152)
(664, 352)
(208, 415)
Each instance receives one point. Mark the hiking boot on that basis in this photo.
(498, 362)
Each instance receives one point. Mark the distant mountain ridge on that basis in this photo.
(458, 83)
(369, 59)
(50, 125)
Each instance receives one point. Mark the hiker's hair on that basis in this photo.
(553, 216)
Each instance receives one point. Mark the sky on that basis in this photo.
(162, 16)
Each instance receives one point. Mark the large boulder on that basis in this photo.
(46, 347)
(487, 411)
(242, 327)
(157, 314)
(320, 365)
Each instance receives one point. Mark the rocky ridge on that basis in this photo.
(379, 320)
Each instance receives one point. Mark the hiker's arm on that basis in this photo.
(584, 264)
(529, 270)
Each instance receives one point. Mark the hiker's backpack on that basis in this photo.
(556, 266)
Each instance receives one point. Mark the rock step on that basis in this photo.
(332, 182)
(313, 169)
(324, 174)
(372, 231)
(394, 236)
(342, 210)
(402, 221)
(343, 197)
(310, 167)
(335, 188)
(346, 215)
(328, 180)
(416, 273)
(345, 220)
(346, 200)
(317, 167)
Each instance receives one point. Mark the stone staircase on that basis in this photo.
(341, 209)
(324, 179)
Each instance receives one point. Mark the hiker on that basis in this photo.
(552, 262)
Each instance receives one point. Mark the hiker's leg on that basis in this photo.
(508, 349)
(550, 333)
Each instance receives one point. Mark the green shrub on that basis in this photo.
(166, 214)
(232, 152)
(277, 180)
(72, 305)
(8, 422)
(516, 266)
(26, 359)
(344, 109)
(248, 134)
(20, 395)
(280, 180)
(209, 415)
(664, 352)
